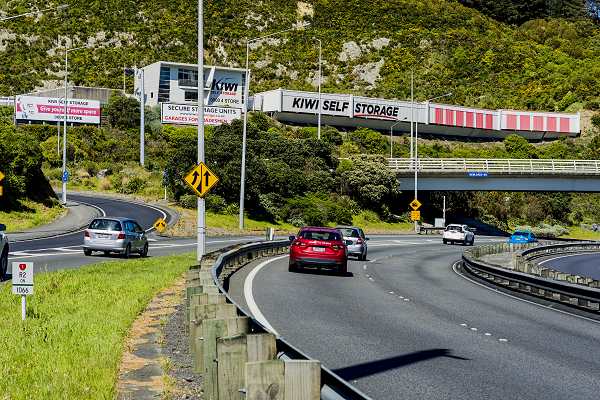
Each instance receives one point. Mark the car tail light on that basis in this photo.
(121, 236)
(338, 246)
(299, 243)
(359, 241)
(87, 234)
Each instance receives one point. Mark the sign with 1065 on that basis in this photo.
(22, 274)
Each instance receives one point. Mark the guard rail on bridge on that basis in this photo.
(495, 165)
(520, 274)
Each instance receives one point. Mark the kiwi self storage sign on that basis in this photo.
(52, 110)
(187, 114)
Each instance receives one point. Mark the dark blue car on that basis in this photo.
(522, 237)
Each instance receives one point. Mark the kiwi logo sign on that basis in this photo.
(226, 91)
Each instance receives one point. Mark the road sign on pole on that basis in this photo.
(415, 204)
(415, 215)
(1, 177)
(22, 273)
(201, 179)
(160, 225)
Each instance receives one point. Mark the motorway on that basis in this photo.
(406, 324)
(403, 324)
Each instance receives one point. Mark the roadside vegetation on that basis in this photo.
(70, 344)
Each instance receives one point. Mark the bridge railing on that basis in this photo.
(496, 165)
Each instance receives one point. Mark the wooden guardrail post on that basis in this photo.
(197, 300)
(213, 330)
(201, 313)
(191, 291)
(233, 352)
(285, 380)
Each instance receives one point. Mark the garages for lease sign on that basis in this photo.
(187, 114)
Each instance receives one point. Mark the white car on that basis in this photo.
(458, 233)
(3, 251)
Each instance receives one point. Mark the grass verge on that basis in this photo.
(577, 232)
(69, 345)
(29, 215)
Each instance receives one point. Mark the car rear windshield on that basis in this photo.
(349, 232)
(106, 224)
(521, 234)
(324, 236)
(454, 228)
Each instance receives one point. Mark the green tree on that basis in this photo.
(518, 147)
(370, 183)
(123, 111)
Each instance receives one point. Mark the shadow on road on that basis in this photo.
(375, 367)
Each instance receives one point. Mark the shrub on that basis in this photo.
(592, 105)
(596, 120)
(189, 201)
(233, 209)
(544, 230)
(90, 167)
(215, 203)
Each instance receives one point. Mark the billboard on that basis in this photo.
(53, 110)
(187, 114)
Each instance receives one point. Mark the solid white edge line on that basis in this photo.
(518, 298)
(568, 255)
(250, 298)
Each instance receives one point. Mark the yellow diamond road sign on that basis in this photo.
(160, 225)
(415, 204)
(201, 179)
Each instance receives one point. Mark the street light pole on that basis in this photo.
(412, 106)
(64, 188)
(417, 141)
(391, 142)
(201, 250)
(246, 90)
(64, 6)
(319, 131)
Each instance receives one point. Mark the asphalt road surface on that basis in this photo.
(582, 264)
(406, 325)
(65, 252)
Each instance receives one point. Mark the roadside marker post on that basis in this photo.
(22, 283)
(1, 177)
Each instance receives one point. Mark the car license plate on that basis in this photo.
(101, 236)
(319, 249)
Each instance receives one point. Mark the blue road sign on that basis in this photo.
(478, 174)
(66, 173)
(65, 178)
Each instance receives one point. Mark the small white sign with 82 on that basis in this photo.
(22, 278)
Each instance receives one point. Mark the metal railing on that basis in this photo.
(496, 165)
(532, 278)
(332, 386)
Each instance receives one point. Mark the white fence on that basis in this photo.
(496, 165)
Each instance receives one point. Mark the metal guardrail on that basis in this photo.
(496, 165)
(580, 292)
(332, 386)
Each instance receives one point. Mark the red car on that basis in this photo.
(320, 248)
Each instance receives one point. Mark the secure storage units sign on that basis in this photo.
(187, 114)
(52, 109)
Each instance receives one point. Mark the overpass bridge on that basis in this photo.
(527, 175)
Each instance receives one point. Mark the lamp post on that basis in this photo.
(412, 106)
(64, 6)
(417, 141)
(391, 142)
(201, 232)
(319, 131)
(246, 89)
(62, 97)
(64, 188)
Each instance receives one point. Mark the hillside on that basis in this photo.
(368, 48)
